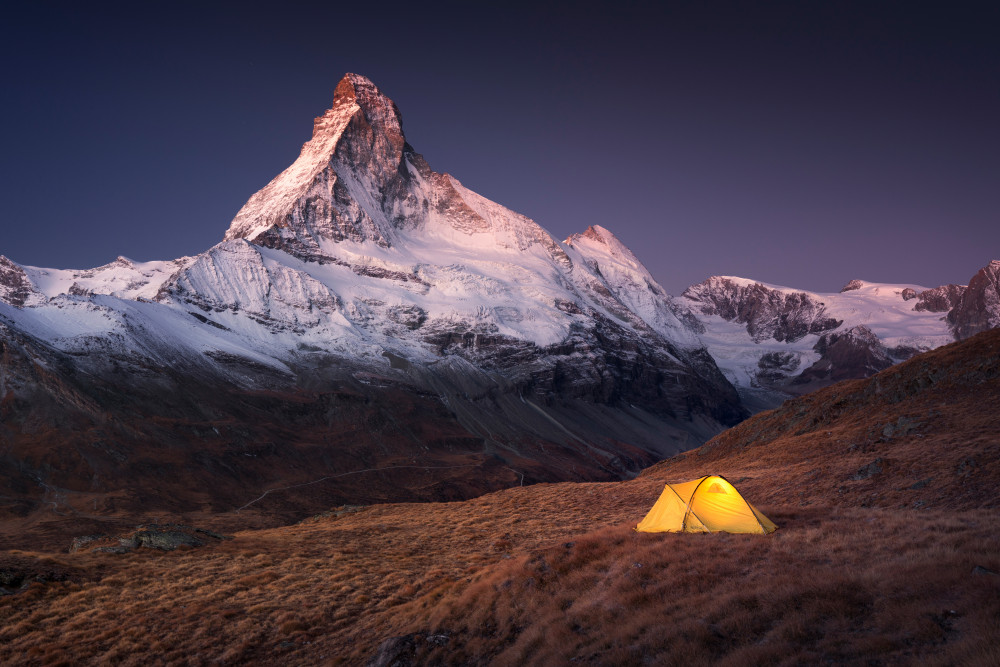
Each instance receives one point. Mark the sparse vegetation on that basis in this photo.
(833, 584)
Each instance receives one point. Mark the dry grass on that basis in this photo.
(534, 575)
(852, 586)
(301, 593)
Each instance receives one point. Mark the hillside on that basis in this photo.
(924, 433)
(886, 553)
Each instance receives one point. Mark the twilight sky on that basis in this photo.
(797, 143)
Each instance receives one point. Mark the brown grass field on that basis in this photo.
(887, 553)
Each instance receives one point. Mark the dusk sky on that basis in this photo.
(800, 143)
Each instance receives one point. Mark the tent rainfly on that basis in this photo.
(705, 505)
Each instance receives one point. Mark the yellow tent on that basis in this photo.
(705, 505)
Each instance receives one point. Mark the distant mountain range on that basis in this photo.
(371, 321)
(772, 341)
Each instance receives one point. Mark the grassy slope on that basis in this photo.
(875, 570)
(931, 426)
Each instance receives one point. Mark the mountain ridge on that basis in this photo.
(774, 342)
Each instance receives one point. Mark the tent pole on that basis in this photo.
(691, 511)
(687, 509)
(749, 506)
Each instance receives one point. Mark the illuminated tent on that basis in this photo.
(705, 505)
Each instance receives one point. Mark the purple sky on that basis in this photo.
(799, 143)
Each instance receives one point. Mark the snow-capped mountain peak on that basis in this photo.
(599, 243)
(360, 258)
(356, 100)
(358, 189)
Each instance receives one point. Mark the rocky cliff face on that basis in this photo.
(978, 308)
(768, 313)
(851, 354)
(360, 136)
(15, 288)
(937, 300)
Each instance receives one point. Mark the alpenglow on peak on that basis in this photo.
(357, 180)
(361, 133)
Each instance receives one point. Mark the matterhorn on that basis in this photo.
(368, 330)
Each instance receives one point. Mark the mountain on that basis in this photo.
(368, 330)
(774, 342)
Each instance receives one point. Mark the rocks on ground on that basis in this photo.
(165, 537)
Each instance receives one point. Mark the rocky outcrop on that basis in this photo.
(767, 313)
(978, 308)
(939, 299)
(15, 288)
(855, 353)
(163, 537)
(855, 285)
(776, 367)
(868, 471)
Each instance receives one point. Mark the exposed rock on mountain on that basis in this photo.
(164, 537)
(310, 202)
(858, 284)
(15, 288)
(978, 308)
(939, 299)
(855, 353)
(768, 313)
